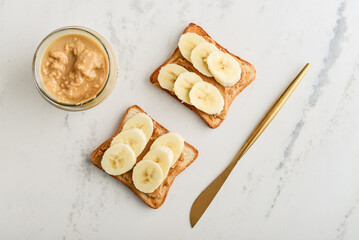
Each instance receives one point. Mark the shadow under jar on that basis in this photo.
(74, 68)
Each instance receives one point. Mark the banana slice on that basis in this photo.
(199, 57)
(118, 159)
(187, 43)
(172, 140)
(168, 75)
(163, 156)
(183, 85)
(147, 176)
(206, 98)
(134, 138)
(225, 69)
(141, 121)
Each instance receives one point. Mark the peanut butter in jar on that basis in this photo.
(74, 68)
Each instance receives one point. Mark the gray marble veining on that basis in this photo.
(299, 181)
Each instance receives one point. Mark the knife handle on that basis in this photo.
(272, 112)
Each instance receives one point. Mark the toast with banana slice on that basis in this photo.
(144, 156)
(203, 75)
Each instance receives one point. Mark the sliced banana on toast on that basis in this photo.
(224, 68)
(188, 42)
(168, 75)
(150, 172)
(172, 140)
(199, 57)
(147, 176)
(141, 121)
(134, 138)
(206, 98)
(163, 156)
(118, 159)
(184, 84)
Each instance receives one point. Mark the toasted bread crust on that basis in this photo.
(153, 202)
(228, 93)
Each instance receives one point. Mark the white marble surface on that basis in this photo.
(299, 181)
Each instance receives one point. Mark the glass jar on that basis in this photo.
(112, 68)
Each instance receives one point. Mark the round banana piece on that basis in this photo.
(163, 156)
(199, 57)
(187, 43)
(141, 121)
(172, 140)
(147, 176)
(206, 98)
(118, 159)
(168, 75)
(224, 68)
(134, 138)
(183, 85)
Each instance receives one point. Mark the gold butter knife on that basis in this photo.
(205, 198)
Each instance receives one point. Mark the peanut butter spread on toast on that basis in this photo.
(128, 175)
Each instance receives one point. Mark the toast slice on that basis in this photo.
(157, 198)
(228, 93)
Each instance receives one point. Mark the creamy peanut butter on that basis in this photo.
(74, 68)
